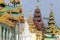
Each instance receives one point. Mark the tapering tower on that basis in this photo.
(51, 17)
(31, 24)
(52, 28)
(38, 19)
(51, 21)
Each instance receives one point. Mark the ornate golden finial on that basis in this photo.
(51, 7)
(51, 10)
(37, 5)
(51, 18)
(31, 23)
(52, 28)
(30, 17)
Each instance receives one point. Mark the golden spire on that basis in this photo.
(30, 17)
(52, 28)
(51, 18)
(37, 5)
(51, 10)
(31, 23)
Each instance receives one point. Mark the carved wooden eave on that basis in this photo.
(18, 9)
(15, 0)
(10, 10)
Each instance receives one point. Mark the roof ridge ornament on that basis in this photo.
(51, 8)
(15, 2)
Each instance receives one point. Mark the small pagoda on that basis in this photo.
(52, 28)
(38, 20)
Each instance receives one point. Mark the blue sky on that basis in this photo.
(44, 7)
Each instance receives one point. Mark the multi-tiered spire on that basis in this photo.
(37, 5)
(37, 10)
(31, 23)
(51, 21)
(38, 19)
(51, 18)
(52, 28)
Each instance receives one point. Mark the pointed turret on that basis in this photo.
(37, 17)
(52, 28)
(37, 5)
(37, 10)
(31, 23)
(38, 20)
(30, 17)
(51, 17)
(51, 22)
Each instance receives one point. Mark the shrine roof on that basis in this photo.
(10, 7)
